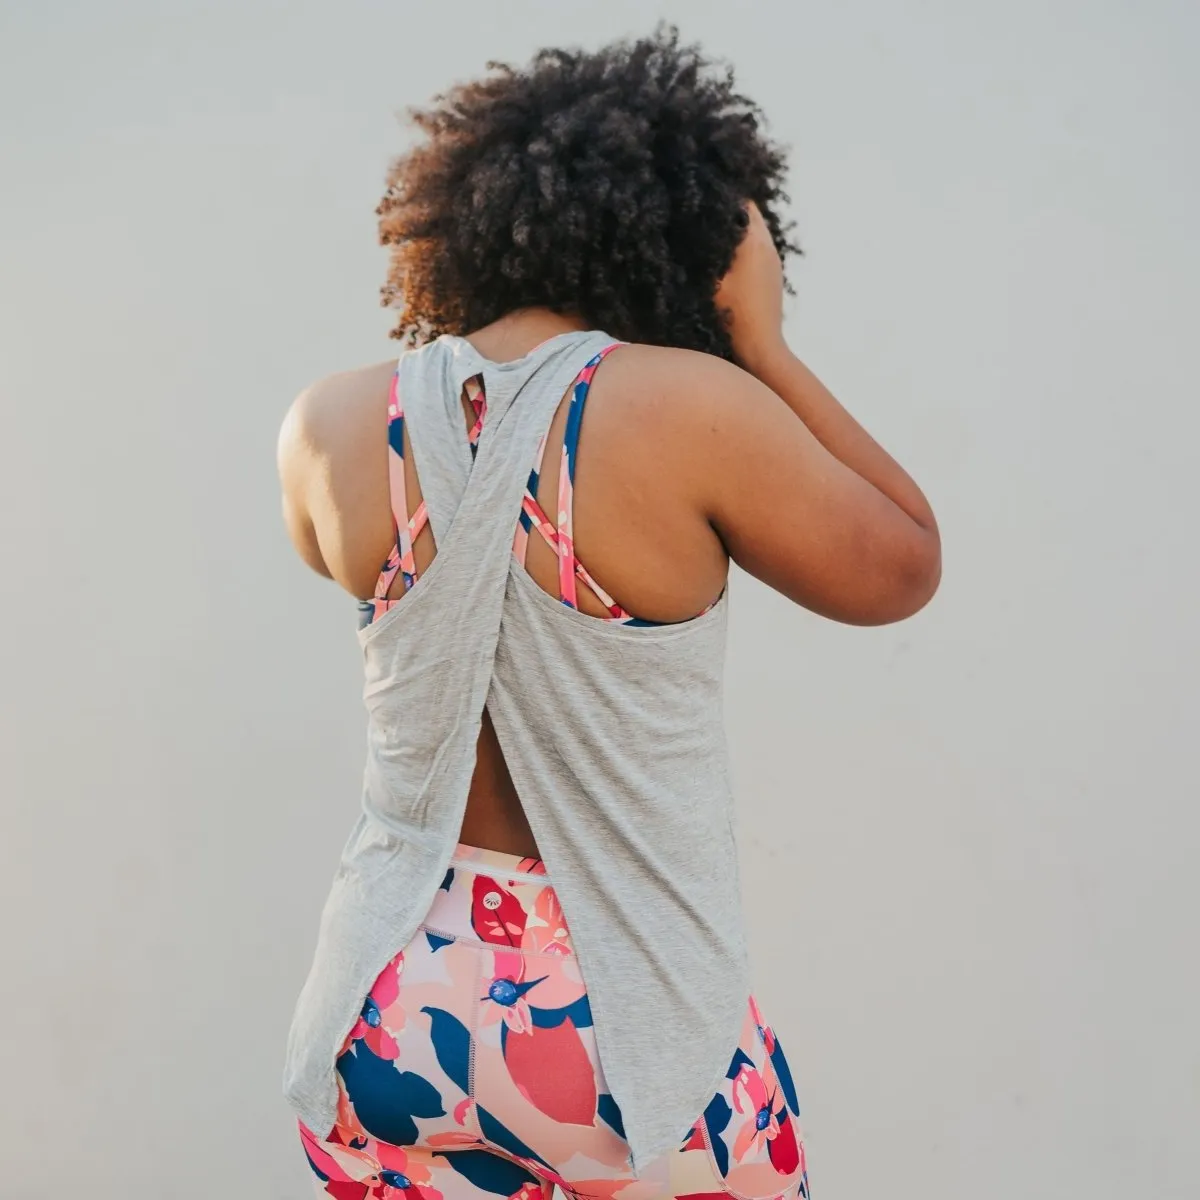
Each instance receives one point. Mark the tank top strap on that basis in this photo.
(430, 383)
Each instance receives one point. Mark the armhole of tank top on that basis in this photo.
(410, 523)
(398, 575)
(558, 534)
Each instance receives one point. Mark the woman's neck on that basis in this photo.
(517, 333)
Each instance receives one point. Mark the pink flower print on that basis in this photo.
(750, 1096)
(382, 1016)
(402, 1178)
(348, 1172)
(458, 1139)
(765, 1033)
(755, 1013)
(506, 1001)
(367, 1168)
(546, 927)
(767, 1123)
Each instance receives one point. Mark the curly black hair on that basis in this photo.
(608, 185)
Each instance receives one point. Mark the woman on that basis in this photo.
(531, 969)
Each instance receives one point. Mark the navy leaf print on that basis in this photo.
(445, 886)
(740, 1059)
(386, 1100)
(551, 1018)
(606, 1106)
(489, 1172)
(784, 1074)
(452, 1045)
(436, 942)
(716, 1119)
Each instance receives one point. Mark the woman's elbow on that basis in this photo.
(917, 573)
(893, 581)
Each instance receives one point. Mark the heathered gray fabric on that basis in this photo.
(615, 739)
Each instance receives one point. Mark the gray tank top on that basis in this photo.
(615, 739)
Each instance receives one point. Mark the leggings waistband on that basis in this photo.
(497, 865)
(498, 900)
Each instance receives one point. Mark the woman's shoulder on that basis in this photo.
(332, 423)
(332, 429)
(669, 362)
(678, 388)
(321, 409)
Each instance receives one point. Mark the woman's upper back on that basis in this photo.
(471, 629)
(640, 492)
(612, 733)
(630, 491)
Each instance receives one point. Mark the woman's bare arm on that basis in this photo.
(816, 507)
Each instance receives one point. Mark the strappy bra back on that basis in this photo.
(408, 521)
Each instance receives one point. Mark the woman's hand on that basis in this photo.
(752, 294)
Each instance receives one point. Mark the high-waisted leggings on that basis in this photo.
(472, 1072)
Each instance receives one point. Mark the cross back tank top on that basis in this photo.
(612, 731)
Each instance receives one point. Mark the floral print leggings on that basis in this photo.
(472, 1072)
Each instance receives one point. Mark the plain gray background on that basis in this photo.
(969, 841)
